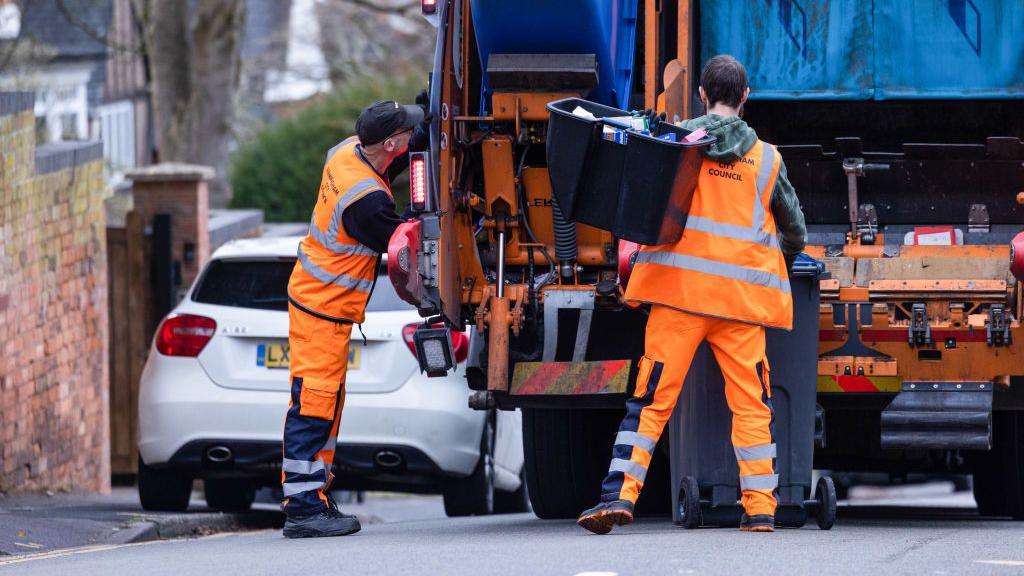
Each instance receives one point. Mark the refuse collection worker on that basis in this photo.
(353, 220)
(724, 281)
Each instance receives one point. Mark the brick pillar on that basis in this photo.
(179, 190)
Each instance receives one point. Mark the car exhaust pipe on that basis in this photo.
(388, 459)
(219, 454)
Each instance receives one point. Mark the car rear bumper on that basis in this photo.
(182, 414)
(359, 466)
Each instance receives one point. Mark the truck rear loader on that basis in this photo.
(900, 125)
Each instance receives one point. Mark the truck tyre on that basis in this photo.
(474, 494)
(567, 454)
(513, 502)
(163, 490)
(999, 473)
(229, 494)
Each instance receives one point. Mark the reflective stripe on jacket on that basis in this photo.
(334, 272)
(727, 263)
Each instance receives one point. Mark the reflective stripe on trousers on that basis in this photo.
(319, 359)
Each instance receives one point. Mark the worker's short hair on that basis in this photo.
(724, 80)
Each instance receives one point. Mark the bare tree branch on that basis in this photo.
(399, 9)
(77, 22)
(13, 47)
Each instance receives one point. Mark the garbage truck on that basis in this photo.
(900, 124)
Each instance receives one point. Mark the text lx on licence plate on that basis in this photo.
(276, 356)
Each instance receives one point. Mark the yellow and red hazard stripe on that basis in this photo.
(861, 384)
(571, 378)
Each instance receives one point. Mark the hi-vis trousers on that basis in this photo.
(671, 341)
(319, 358)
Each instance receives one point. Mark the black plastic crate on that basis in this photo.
(639, 190)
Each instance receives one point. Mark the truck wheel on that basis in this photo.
(229, 494)
(474, 494)
(567, 454)
(163, 490)
(999, 473)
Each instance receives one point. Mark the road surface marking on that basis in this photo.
(1001, 562)
(72, 551)
(597, 574)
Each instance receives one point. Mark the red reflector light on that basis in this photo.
(418, 182)
(460, 341)
(428, 6)
(1017, 256)
(184, 334)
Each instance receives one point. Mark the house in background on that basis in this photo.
(82, 60)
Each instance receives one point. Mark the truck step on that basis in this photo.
(939, 415)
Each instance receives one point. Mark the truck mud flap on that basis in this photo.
(939, 415)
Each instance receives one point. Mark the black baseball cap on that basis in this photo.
(383, 118)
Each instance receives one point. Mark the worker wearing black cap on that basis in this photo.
(353, 220)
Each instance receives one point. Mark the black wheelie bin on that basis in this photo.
(703, 464)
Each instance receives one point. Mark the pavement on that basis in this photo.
(42, 522)
(409, 535)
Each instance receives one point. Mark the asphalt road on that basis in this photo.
(867, 540)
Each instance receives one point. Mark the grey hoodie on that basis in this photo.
(734, 139)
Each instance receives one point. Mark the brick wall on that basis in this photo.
(54, 430)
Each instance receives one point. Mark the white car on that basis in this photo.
(215, 390)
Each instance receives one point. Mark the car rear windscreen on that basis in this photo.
(263, 284)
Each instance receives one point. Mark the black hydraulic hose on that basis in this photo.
(521, 190)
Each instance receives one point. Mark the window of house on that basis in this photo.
(117, 131)
(69, 126)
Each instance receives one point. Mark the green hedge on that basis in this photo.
(279, 170)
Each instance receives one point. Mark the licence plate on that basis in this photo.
(276, 356)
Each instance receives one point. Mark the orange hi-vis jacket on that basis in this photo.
(728, 263)
(334, 273)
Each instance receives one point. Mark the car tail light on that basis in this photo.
(459, 341)
(418, 181)
(184, 334)
(428, 6)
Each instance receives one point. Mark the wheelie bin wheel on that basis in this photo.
(689, 503)
(825, 494)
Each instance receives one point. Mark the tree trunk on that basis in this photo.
(195, 57)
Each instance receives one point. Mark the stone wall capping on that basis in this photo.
(171, 172)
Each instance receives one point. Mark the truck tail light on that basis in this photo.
(1017, 256)
(419, 175)
(403, 262)
(184, 334)
(627, 256)
(428, 6)
(436, 348)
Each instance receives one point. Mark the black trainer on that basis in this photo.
(329, 522)
(601, 518)
(757, 523)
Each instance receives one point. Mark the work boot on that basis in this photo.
(602, 517)
(328, 522)
(757, 523)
